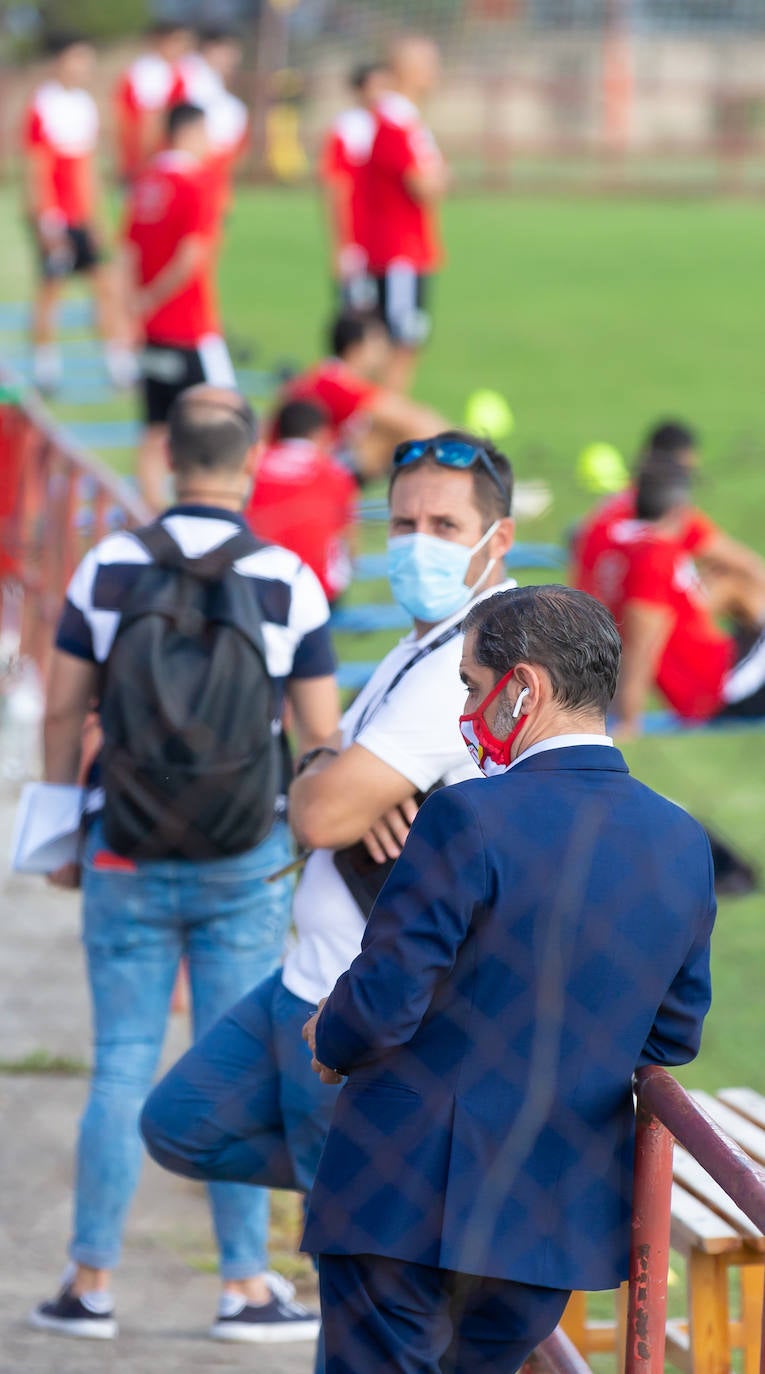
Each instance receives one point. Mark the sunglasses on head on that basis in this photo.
(448, 453)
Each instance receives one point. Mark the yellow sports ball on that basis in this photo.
(488, 413)
(601, 468)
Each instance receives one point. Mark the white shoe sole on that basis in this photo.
(104, 1330)
(281, 1334)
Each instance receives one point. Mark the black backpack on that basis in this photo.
(190, 761)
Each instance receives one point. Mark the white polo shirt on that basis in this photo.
(415, 729)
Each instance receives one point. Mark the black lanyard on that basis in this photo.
(370, 711)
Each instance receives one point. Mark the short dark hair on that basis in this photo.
(362, 73)
(662, 485)
(670, 437)
(350, 328)
(487, 494)
(217, 33)
(59, 41)
(165, 28)
(210, 432)
(181, 116)
(299, 420)
(566, 632)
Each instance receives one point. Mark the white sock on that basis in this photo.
(99, 1302)
(231, 1304)
(121, 365)
(46, 366)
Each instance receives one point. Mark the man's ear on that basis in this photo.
(534, 680)
(502, 539)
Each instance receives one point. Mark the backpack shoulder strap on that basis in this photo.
(210, 566)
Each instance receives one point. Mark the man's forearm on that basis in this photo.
(62, 745)
(174, 277)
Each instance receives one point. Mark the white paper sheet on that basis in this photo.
(47, 830)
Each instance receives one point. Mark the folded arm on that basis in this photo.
(419, 922)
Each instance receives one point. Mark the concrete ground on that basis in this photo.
(166, 1292)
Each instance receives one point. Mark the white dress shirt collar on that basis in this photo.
(561, 742)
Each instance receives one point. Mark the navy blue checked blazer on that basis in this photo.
(543, 934)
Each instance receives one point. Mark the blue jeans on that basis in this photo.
(231, 925)
(243, 1104)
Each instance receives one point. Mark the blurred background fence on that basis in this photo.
(537, 94)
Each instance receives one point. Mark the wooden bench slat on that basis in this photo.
(746, 1102)
(696, 1180)
(748, 1136)
(696, 1227)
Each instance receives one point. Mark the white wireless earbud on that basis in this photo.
(519, 702)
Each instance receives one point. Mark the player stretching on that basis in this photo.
(61, 129)
(405, 179)
(345, 154)
(169, 264)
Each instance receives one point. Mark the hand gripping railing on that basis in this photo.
(665, 1113)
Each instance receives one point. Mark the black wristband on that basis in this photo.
(307, 759)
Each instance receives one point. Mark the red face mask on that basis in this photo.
(491, 755)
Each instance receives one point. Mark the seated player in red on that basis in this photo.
(671, 639)
(345, 154)
(144, 93)
(303, 498)
(61, 129)
(731, 573)
(367, 420)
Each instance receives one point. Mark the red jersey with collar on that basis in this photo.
(336, 388)
(599, 551)
(169, 202)
(344, 159)
(697, 655)
(144, 89)
(61, 133)
(305, 501)
(399, 226)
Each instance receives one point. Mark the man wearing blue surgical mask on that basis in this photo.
(243, 1104)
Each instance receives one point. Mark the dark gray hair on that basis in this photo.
(210, 430)
(564, 631)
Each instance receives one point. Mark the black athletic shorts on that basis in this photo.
(402, 303)
(80, 253)
(745, 683)
(167, 370)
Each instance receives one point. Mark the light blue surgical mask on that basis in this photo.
(427, 575)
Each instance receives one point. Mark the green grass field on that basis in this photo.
(594, 318)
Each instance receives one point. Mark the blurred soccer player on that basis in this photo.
(204, 76)
(61, 129)
(367, 419)
(732, 574)
(404, 181)
(144, 93)
(169, 267)
(671, 640)
(346, 151)
(303, 499)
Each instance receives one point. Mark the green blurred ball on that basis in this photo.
(486, 412)
(600, 468)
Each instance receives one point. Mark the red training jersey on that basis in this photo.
(697, 655)
(399, 226)
(144, 90)
(336, 388)
(305, 501)
(168, 203)
(346, 152)
(61, 133)
(599, 555)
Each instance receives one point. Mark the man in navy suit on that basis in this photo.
(543, 934)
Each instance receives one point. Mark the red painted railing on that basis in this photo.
(665, 1114)
(56, 501)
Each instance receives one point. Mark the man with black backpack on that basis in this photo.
(189, 635)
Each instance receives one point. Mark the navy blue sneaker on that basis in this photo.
(72, 1316)
(270, 1323)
